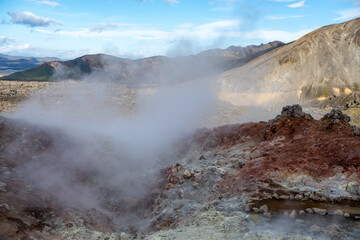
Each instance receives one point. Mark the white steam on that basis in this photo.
(104, 151)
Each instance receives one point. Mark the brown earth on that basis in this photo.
(293, 145)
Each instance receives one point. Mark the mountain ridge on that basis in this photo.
(146, 69)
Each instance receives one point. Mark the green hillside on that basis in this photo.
(38, 73)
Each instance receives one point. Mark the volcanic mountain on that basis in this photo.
(319, 64)
(146, 70)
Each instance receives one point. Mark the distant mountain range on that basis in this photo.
(10, 64)
(150, 70)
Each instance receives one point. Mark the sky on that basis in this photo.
(140, 28)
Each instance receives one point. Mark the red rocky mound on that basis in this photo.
(296, 144)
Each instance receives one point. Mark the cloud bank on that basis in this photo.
(348, 14)
(31, 20)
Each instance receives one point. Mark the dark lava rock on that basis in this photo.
(336, 114)
(294, 111)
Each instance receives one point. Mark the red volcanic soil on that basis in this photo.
(230, 135)
(297, 144)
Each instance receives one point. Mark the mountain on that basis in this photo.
(10, 64)
(150, 70)
(321, 63)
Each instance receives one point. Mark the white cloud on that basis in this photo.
(271, 35)
(219, 24)
(102, 27)
(29, 50)
(131, 33)
(48, 3)
(4, 40)
(172, 1)
(185, 25)
(14, 48)
(297, 5)
(348, 14)
(284, 17)
(205, 32)
(31, 20)
(283, 0)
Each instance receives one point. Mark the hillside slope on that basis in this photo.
(323, 62)
(11, 64)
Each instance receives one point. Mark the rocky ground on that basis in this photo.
(14, 93)
(299, 175)
(349, 104)
(292, 177)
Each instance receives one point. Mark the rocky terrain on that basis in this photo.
(316, 66)
(291, 177)
(12, 94)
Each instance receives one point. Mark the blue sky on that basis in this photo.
(135, 28)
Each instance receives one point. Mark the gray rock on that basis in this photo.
(353, 187)
(263, 209)
(337, 212)
(186, 174)
(309, 210)
(315, 228)
(320, 211)
(294, 111)
(2, 187)
(125, 236)
(5, 206)
(336, 114)
(357, 131)
(292, 214)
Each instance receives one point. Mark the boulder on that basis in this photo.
(294, 111)
(353, 188)
(186, 174)
(2, 187)
(337, 212)
(315, 228)
(335, 116)
(292, 214)
(320, 211)
(263, 209)
(309, 210)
